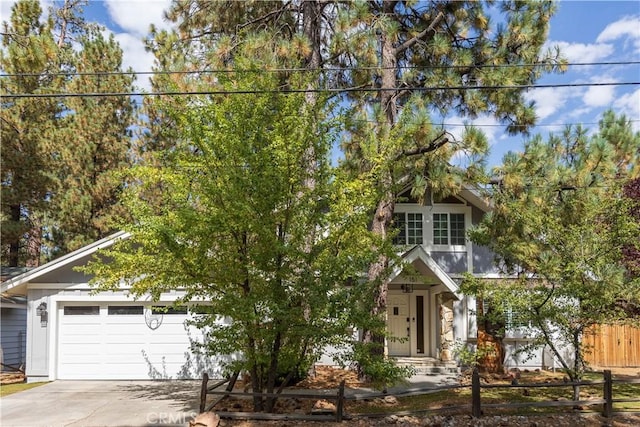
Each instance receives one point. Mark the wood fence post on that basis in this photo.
(203, 391)
(340, 402)
(608, 395)
(476, 410)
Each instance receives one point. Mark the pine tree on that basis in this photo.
(60, 155)
(96, 143)
(29, 145)
(561, 224)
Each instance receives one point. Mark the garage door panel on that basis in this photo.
(169, 349)
(121, 346)
(116, 339)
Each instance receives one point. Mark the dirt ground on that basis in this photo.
(328, 378)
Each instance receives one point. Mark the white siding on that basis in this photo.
(13, 323)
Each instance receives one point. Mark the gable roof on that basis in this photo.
(469, 192)
(472, 194)
(15, 284)
(417, 253)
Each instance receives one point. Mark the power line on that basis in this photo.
(295, 91)
(329, 69)
(497, 125)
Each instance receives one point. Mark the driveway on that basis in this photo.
(102, 403)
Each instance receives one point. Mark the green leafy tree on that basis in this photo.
(235, 223)
(398, 62)
(561, 224)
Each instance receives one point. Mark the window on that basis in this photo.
(448, 229)
(514, 319)
(168, 310)
(121, 310)
(409, 226)
(82, 310)
(506, 317)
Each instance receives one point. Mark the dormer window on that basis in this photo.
(410, 228)
(448, 229)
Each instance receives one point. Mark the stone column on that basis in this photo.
(446, 327)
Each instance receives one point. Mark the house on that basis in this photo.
(13, 331)
(75, 333)
(424, 304)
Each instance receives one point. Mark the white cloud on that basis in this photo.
(489, 126)
(135, 16)
(5, 10)
(550, 100)
(629, 104)
(625, 28)
(598, 96)
(581, 52)
(135, 56)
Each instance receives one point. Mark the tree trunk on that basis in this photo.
(489, 345)
(273, 372)
(384, 210)
(14, 244)
(256, 386)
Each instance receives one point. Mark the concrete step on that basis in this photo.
(429, 366)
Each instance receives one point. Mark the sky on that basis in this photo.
(585, 31)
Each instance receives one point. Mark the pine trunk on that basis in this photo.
(489, 344)
(14, 245)
(384, 210)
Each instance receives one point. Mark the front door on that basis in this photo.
(399, 319)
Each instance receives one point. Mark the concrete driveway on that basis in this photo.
(102, 403)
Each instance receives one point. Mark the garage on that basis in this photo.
(75, 332)
(125, 341)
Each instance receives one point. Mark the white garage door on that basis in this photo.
(119, 341)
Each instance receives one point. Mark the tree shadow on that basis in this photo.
(184, 394)
(196, 361)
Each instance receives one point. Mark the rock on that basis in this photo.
(323, 407)
(206, 419)
(391, 419)
(390, 400)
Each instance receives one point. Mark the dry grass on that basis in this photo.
(7, 389)
(330, 378)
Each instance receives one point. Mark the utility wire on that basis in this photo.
(294, 91)
(497, 125)
(330, 69)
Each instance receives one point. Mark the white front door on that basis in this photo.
(399, 322)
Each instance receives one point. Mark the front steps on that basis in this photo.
(428, 365)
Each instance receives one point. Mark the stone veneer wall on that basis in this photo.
(446, 329)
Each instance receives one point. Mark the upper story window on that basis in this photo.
(410, 228)
(448, 229)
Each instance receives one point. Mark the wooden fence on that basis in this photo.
(206, 390)
(475, 408)
(613, 346)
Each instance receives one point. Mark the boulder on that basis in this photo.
(206, 419)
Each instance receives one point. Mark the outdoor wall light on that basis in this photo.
(42, 312)
(407, 288)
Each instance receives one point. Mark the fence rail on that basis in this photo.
(205, 390)
(475, 407)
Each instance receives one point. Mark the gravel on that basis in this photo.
(559, 420)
